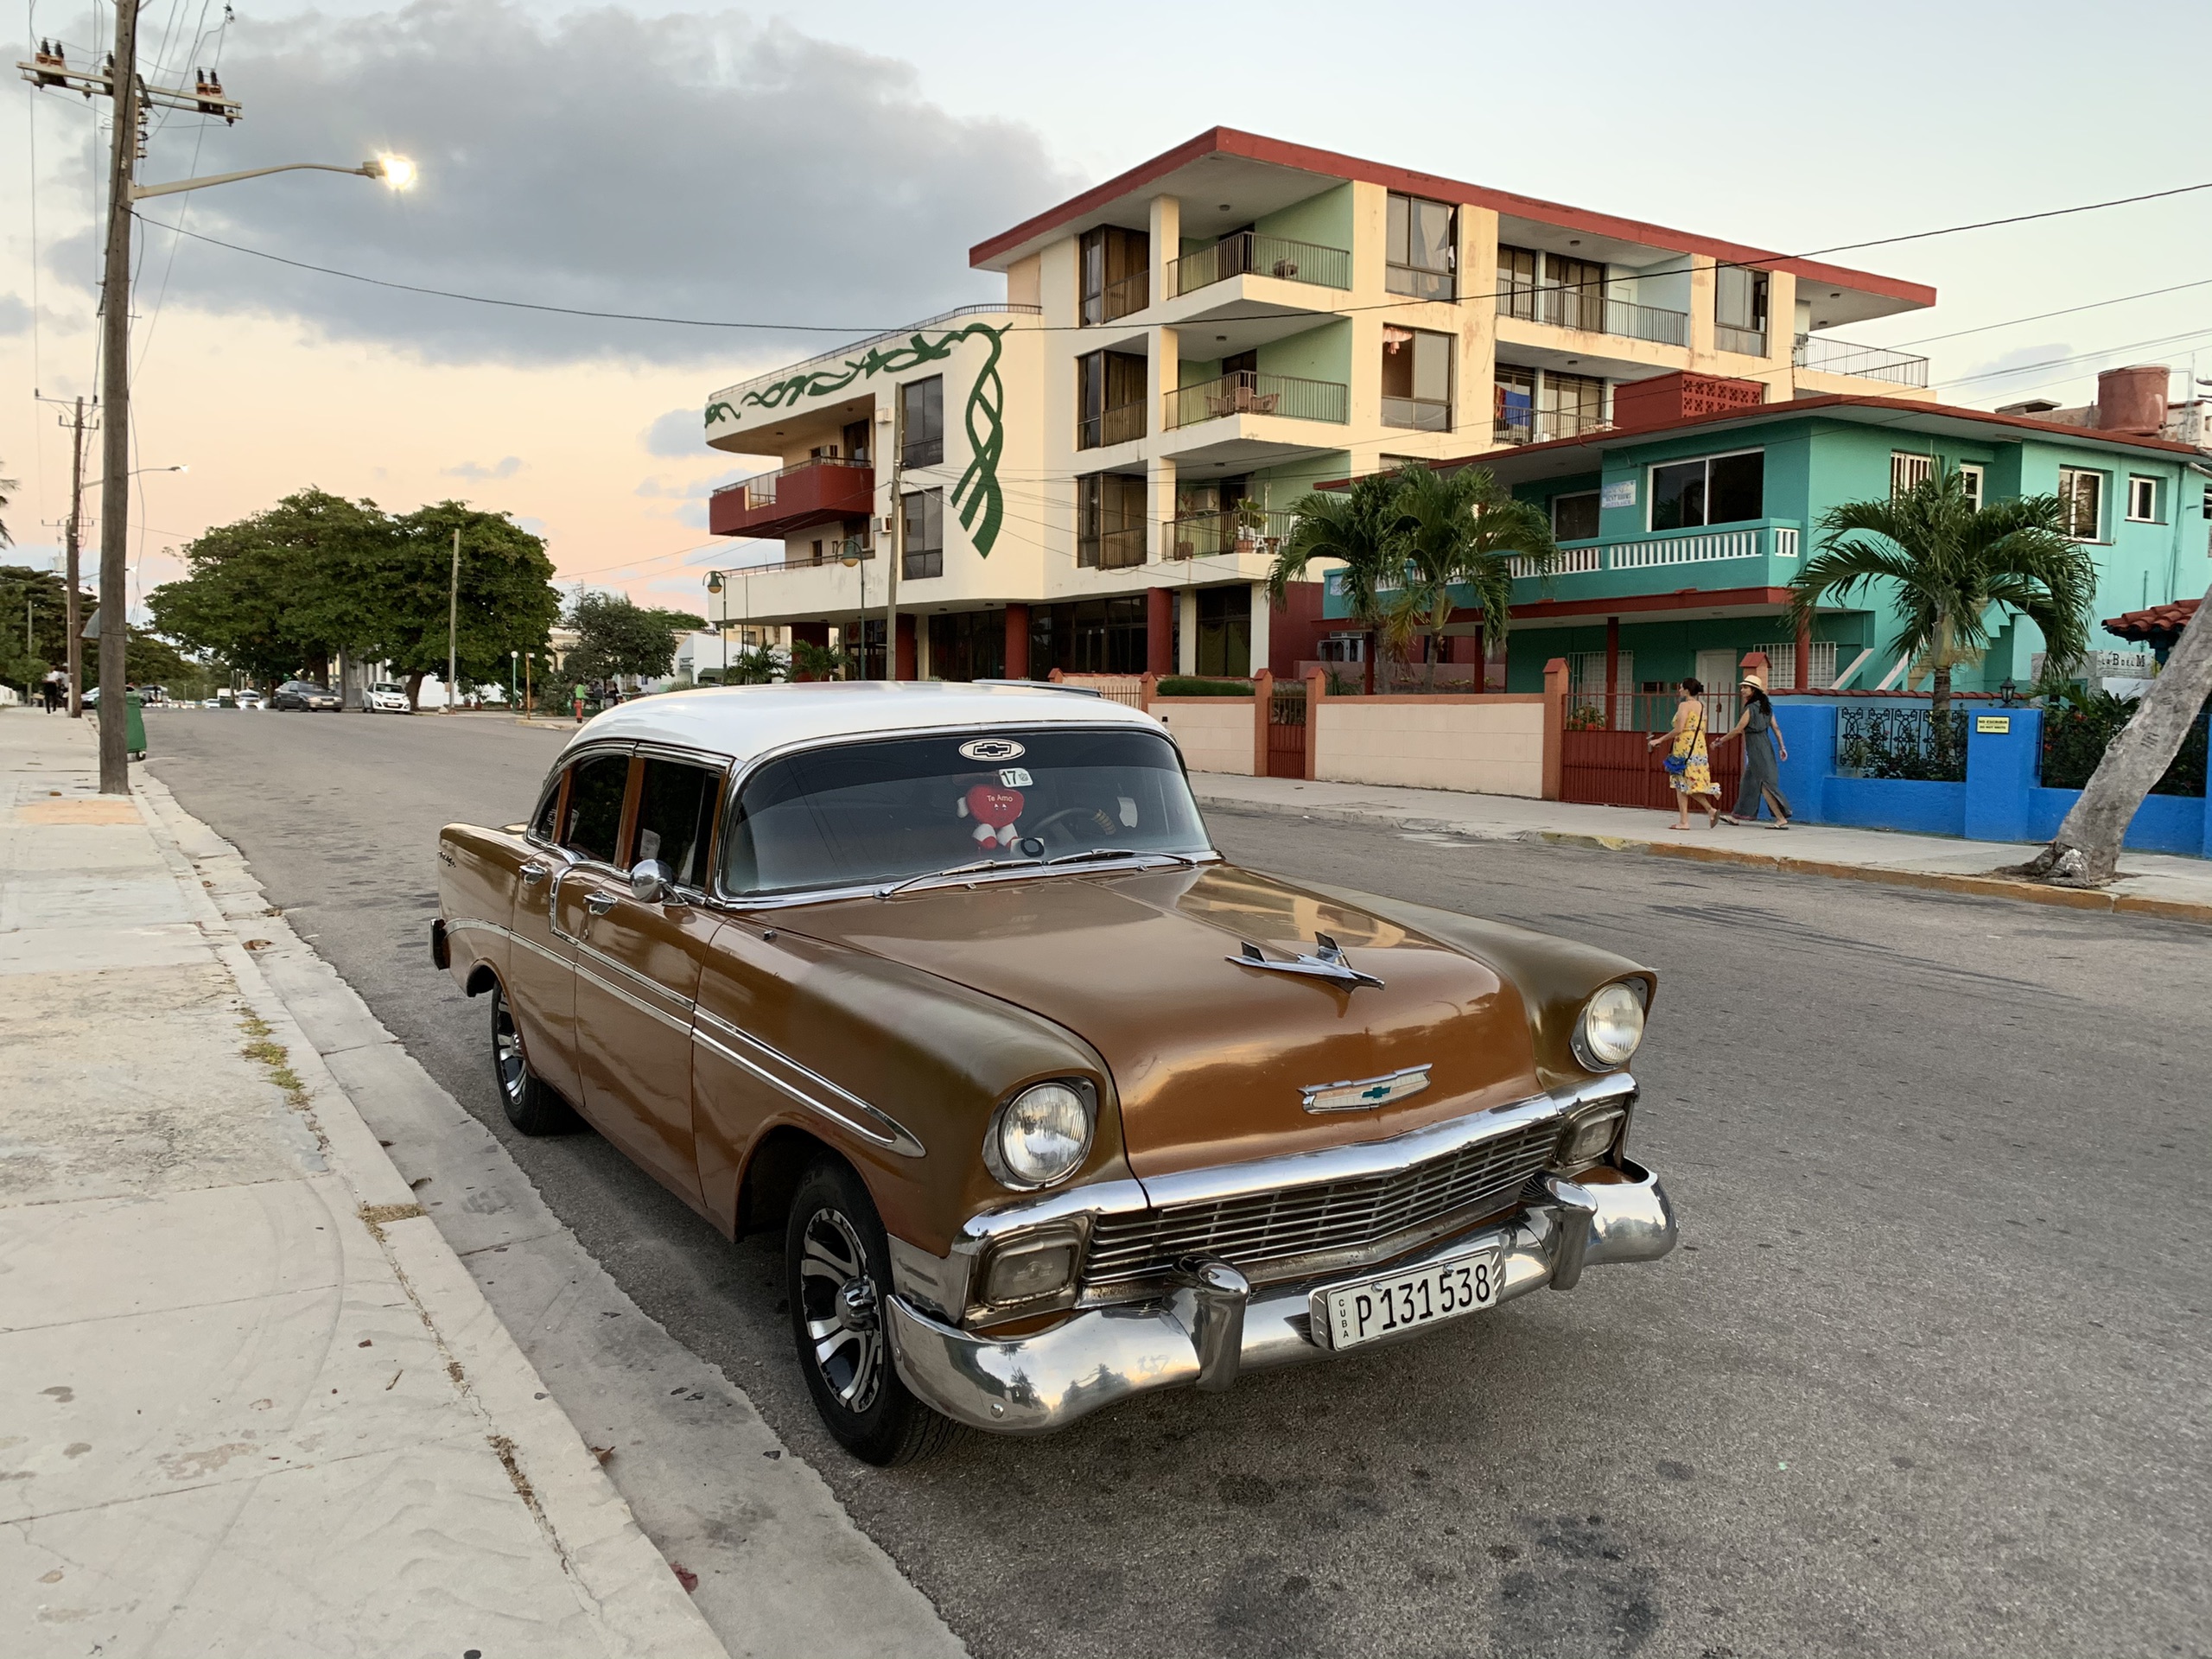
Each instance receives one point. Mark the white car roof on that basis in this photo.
(745, 720)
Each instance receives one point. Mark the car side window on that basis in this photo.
(541, 827)
(593, 818)
(676, 817)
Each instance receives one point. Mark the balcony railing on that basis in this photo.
(1828, 356)
(1670, 548)
(1120, 299)
(1123, 423)
(1248, 253)
(1417, 414)
(1542, 425)
(1247, 393)
(813, 492)
(1420, 282)
(1112, 549)
(1747, 342)
(762, 488)
(1593, 311)
(1210, 535)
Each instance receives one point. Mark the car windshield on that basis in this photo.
(856, 814)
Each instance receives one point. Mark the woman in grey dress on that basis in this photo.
(1762, 737)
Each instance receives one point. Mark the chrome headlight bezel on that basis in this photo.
(1013, 1176)
(1598, 1055)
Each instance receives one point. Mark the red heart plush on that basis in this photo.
(992, 805)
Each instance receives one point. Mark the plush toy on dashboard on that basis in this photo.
(997, 810)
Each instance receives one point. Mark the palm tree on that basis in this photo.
(1361, 528)
(1463, 528)
(1950, 564)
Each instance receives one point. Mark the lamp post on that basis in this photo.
(514, 681)
(851, 559)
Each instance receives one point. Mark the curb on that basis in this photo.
(620, 1577)
(1983, 886)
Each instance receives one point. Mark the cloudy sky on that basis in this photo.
(823, 170)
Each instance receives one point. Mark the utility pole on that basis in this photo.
(452, 626)
(123, 103)
(72, 536)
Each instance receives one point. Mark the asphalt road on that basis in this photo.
(1928, 1375)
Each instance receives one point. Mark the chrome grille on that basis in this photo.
(1327, 1219)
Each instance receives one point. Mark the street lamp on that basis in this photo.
(514, 684)
(396, 171)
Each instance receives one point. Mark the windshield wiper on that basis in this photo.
(975, 869)
(1124, 852)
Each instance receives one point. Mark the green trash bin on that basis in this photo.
(134, 726)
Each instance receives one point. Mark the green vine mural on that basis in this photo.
(978, 495)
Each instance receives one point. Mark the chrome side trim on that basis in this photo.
(627, 971)
(532, 944)
(637, 1003)
(474, 925)
(871, 1123)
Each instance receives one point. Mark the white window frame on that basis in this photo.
(1651, 496)
(2066, 475)
(2140, 485)
(1971, 474)
(1908, 471)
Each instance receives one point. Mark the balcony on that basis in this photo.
(1111, 550)
(1228, 530)
(1521, 424)
(1762, 553)
(1827, 356)
(1250, 254)
(818, 492)
(1592, 311)
(1123, 423)
(1246, 392)
(1744, 342)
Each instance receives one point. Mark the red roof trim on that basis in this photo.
(1228, 141)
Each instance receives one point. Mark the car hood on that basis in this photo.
(1208, 1059)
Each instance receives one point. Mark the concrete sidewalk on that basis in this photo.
(2150, 883)
(254, 1403)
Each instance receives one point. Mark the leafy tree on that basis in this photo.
(36, 595)
(1461, 528)
(813, 662)
(615, 636)
(507, 599)
(1949, 564)
(6, 484)
(1360, 528)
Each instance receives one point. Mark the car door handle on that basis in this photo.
(600, 903)
(534, 872)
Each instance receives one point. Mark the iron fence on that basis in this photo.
(1248, 252)
(1900, 743)
(1246, 392)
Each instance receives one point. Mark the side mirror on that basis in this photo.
(650, 881)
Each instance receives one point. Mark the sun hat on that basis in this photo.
(1750, 676)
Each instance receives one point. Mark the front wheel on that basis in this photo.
(837, 1274)
(531, 1106)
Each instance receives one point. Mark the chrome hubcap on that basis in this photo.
(838, 1302)
(507, 1050)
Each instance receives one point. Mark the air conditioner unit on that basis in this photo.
(883, 526)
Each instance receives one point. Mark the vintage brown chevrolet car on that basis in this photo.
(1053, 1105)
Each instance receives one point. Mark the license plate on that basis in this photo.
(1392, 1302)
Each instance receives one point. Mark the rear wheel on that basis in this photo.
(837, 1274)
(531, 1106)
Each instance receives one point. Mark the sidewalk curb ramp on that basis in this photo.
(1980, 886)
(640, 1604)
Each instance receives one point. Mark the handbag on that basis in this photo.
(1676, 765)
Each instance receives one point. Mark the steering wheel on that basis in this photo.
(1054, 821)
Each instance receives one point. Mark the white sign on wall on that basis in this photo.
(1621, 492)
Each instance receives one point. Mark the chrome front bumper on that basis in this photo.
(1215, 1327)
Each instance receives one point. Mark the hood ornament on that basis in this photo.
(1327, 963)
(1364, 1094)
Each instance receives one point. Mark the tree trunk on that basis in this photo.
(2086, 851)
(1939, 714)
(414, 694)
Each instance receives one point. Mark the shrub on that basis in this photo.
(1181, 685)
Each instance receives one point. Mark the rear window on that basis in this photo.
(676, 818)
(593, 818)
(859, 813)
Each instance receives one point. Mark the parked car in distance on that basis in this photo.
(385, 698)
(1051, 1105)
(307, 697)
(251, 699)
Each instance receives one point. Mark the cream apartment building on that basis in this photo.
(1092, 474)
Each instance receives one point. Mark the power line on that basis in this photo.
(2044, 317)
(2015, 218)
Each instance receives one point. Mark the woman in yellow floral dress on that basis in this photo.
(1691, 778)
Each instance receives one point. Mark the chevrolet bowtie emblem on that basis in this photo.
(1327, 963)
(1364, 1094)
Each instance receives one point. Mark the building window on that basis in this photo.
(1513, 409)
(1110, 390)
(923, 536)
(1908, 473)
(1417, 378)
(1717, 490)
(921, 422)
(1516, 281)
(969, 646)
(1567, 406)
(1970, 479)
(1574, 517)
(1116, 266)
(1739, 310)
(2082, 504)
(2142, 499)
(1225, 632)
(1421, 249)
(1109, 510)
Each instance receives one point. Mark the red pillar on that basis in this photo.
(1017, 642)
(1612, 669)
(1159, 632)
(904, 668)
(1555, 678)
(1804, 680)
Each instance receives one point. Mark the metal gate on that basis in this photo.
(1616, 769)
(1287, 733)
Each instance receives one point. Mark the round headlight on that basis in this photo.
(1040, 1136)
(1610, 1027)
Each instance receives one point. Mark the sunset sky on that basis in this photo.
(828, 168)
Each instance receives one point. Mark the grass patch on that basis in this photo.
(264, 1050)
